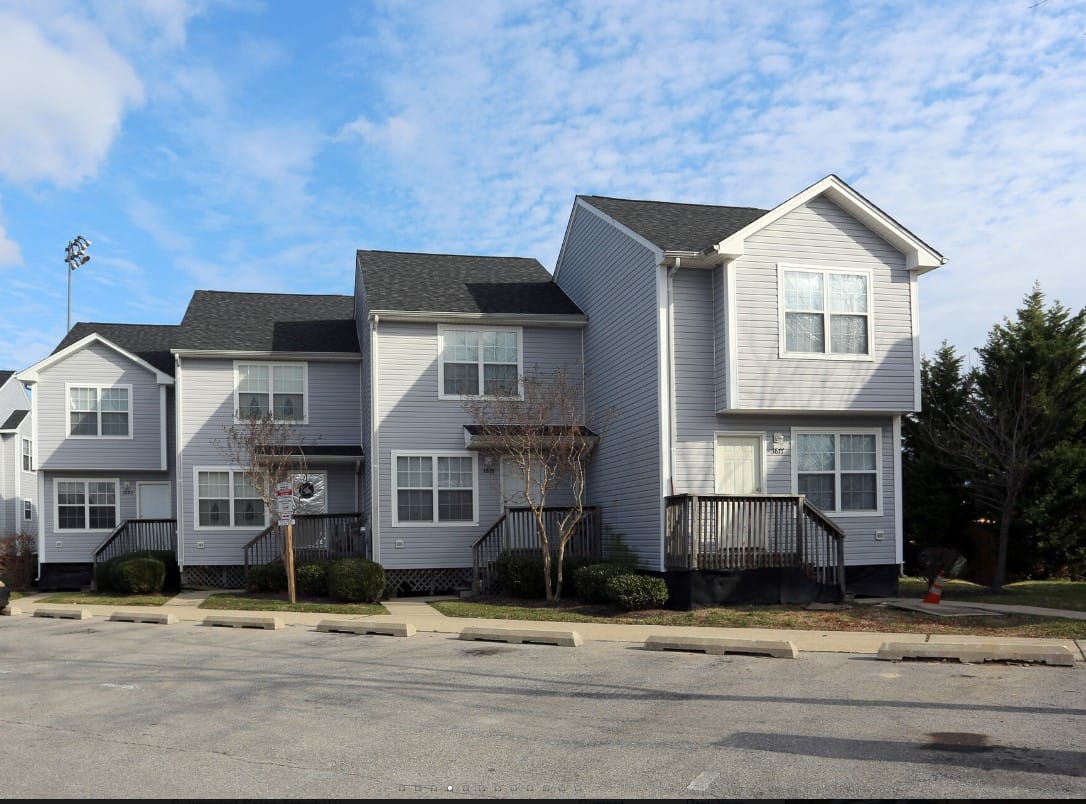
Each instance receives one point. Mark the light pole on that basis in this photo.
(75, 255)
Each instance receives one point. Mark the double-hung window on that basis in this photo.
(276, 388)
(825, 312)
(28, 510)
(479, 362)
(96, 411)
(839, 471)
(227, 499)
(434, 488)
(28, 455)
(86, 504)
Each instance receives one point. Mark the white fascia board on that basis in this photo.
(919, 256)
(497, 319)
(328, 357)
(30, 375)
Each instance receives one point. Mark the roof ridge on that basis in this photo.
(673, 203)
(440, 254)
(274, 293)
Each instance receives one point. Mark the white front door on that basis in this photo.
(738, 465)
(153, 501)
(738, 471)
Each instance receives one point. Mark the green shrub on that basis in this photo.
(356, 580)
(617, 551)
(637, 591)
(270, 577)
(139, 576)
(104, 572)
(521, 575)
(312, 579)
(592, 580)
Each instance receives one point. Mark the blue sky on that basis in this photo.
(254, 146)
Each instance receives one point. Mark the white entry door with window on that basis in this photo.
(154, 501)
(738, 460)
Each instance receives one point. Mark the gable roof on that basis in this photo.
(5, 376)
(452, 283)
(676, 227)
(150, 342)
(268, 322)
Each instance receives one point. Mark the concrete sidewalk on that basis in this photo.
(418, 613)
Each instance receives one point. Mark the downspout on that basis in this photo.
(178, 466)
(374, 456)
(673, 419)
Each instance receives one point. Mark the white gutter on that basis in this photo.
(374, 456)
(178, 474)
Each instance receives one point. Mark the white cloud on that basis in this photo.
(63, 93)
(10, 253)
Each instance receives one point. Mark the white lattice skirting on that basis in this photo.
(446, 580)
(213, 577)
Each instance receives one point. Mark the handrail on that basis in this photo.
(316, 537)
(134, 535)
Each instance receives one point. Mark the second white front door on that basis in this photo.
(153, 501)
(738, 465)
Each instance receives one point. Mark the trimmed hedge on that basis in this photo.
(637, 591)
(312, 579)
(104, 573)
(139, 576)
(356, 580)
(270, 577)
(592, 581)
(522, 575)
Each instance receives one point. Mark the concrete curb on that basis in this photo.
(267, 623)
(978, 652)
(141, 617)
(65, 614)
(779, 649)
(366, 627)
(566, 639)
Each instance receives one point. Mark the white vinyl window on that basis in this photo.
(28, 455)
(277, 388)
(96, 411)
(225, 498)
(86, 504)
(838, 471)
(825, 312)
(434, 488)
(479, 362)
(28, 510)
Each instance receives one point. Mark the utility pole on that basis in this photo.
(75, 255)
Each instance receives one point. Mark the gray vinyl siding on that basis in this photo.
(98, 365)
(207, 390)
(27, 484)
(612, 278)
(411, 418)
(821, 234)
(77, 546)
(719, 289)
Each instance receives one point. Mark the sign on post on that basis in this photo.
(284, 499)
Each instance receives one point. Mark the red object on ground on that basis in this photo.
(935, 593)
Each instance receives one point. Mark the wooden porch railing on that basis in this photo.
(714, 532)
(516, 532)
(133, 535)
(316, 537)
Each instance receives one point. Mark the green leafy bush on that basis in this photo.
(312, 579)
(637, 591)
(104, 572)
(592, 581)
(356, 580)
(521, 575)
(270, 577)
(138, 576)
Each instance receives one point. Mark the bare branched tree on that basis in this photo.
(268, 451)
(546, 434)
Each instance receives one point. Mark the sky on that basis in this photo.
(254, 146)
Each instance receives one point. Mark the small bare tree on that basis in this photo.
(546, 435)
(268, 451)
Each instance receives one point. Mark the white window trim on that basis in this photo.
(782, 344)
(443, 328)
(268, 520)
(839, 431)
(27, 456)
(116, 505)
(435, 454)
(68, 386)
(271, 388)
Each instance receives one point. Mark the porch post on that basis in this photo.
(695, 531)
(799, 530)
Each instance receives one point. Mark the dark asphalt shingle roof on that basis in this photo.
(149, 342)
(14, 419)
(278, 322)
(453, 283)
(676, 227)
(5, 376)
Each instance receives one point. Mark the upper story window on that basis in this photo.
(277, 388)
(86, 504)
(28, 455)
(479, 362)
(838, 471)
(97, 411)
(825, 312)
